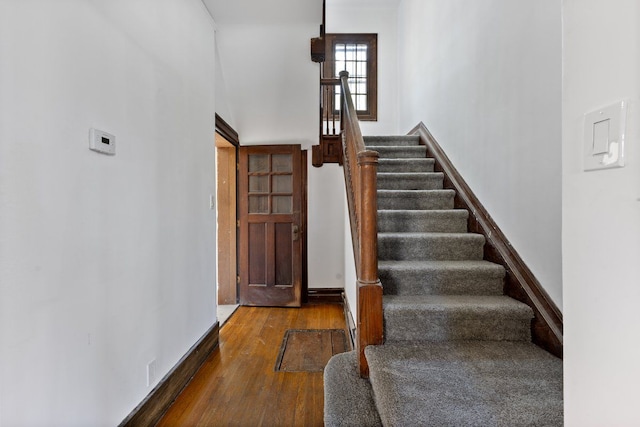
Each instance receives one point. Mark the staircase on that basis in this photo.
(457, 351)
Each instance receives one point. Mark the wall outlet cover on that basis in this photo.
(151, 373)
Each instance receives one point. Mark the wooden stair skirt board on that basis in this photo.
(158, 401)
(520, 283)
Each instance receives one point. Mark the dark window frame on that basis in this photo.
(371, 40)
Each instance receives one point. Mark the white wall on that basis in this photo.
(485, 78)
(222, 104)
(272, 85)
(379, 18)
(106, 262)
(326, 226)
(601, 218)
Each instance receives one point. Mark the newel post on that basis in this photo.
(370, 323)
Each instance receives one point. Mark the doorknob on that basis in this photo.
(296, 233)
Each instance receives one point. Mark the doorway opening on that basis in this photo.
(226, 202)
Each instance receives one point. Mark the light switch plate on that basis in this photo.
(604, 134)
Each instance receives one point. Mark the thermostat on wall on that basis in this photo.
(102, 142)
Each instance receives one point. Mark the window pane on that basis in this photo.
(281, 163)
(351, 54)
(259, 184)
(259, 204)
(282, 184)
(351, 68)
(282, 204)
(258, 163)
(362, 52)
(352, 85)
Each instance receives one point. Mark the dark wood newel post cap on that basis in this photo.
(344, 73)
(368, 157)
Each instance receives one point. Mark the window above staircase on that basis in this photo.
(358, 55)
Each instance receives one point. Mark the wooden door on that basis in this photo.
(270, 212)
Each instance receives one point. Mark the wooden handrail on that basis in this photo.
(330, 82)
(360, 172)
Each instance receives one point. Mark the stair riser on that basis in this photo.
(423, 221)
(420, 282)
(405, 165)
(425, 326)
(431, 181)
(464, 247)
(394, 141)
(400, 152)
(435, 200)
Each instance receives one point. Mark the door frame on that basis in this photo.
(227, 288)
(225, 130)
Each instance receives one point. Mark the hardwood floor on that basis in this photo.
(237, 385)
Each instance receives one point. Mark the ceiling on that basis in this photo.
(257, 12)
(362, 2)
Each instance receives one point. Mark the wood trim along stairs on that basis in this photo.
(520, 283)
(158, 401)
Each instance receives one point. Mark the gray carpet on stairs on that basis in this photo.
(422, 221)
(434, 246)
(405, 165)
(457, 351)
(410, 181)
(400, 152)
(441, 277)
(415, 199)
(474, 383)
(348, 399)
(455, 317)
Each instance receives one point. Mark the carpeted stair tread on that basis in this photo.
(416, 199)
(441, 277)
(434, 220)
(348, 399)
(406, 165)
(430, 246)
(392, 140)
(399, 152)
(478, 383)
(462, 304)
(455, 317)
(410, 181)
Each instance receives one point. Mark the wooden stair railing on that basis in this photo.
(360, 169)
(329, 149)
(341, 142)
